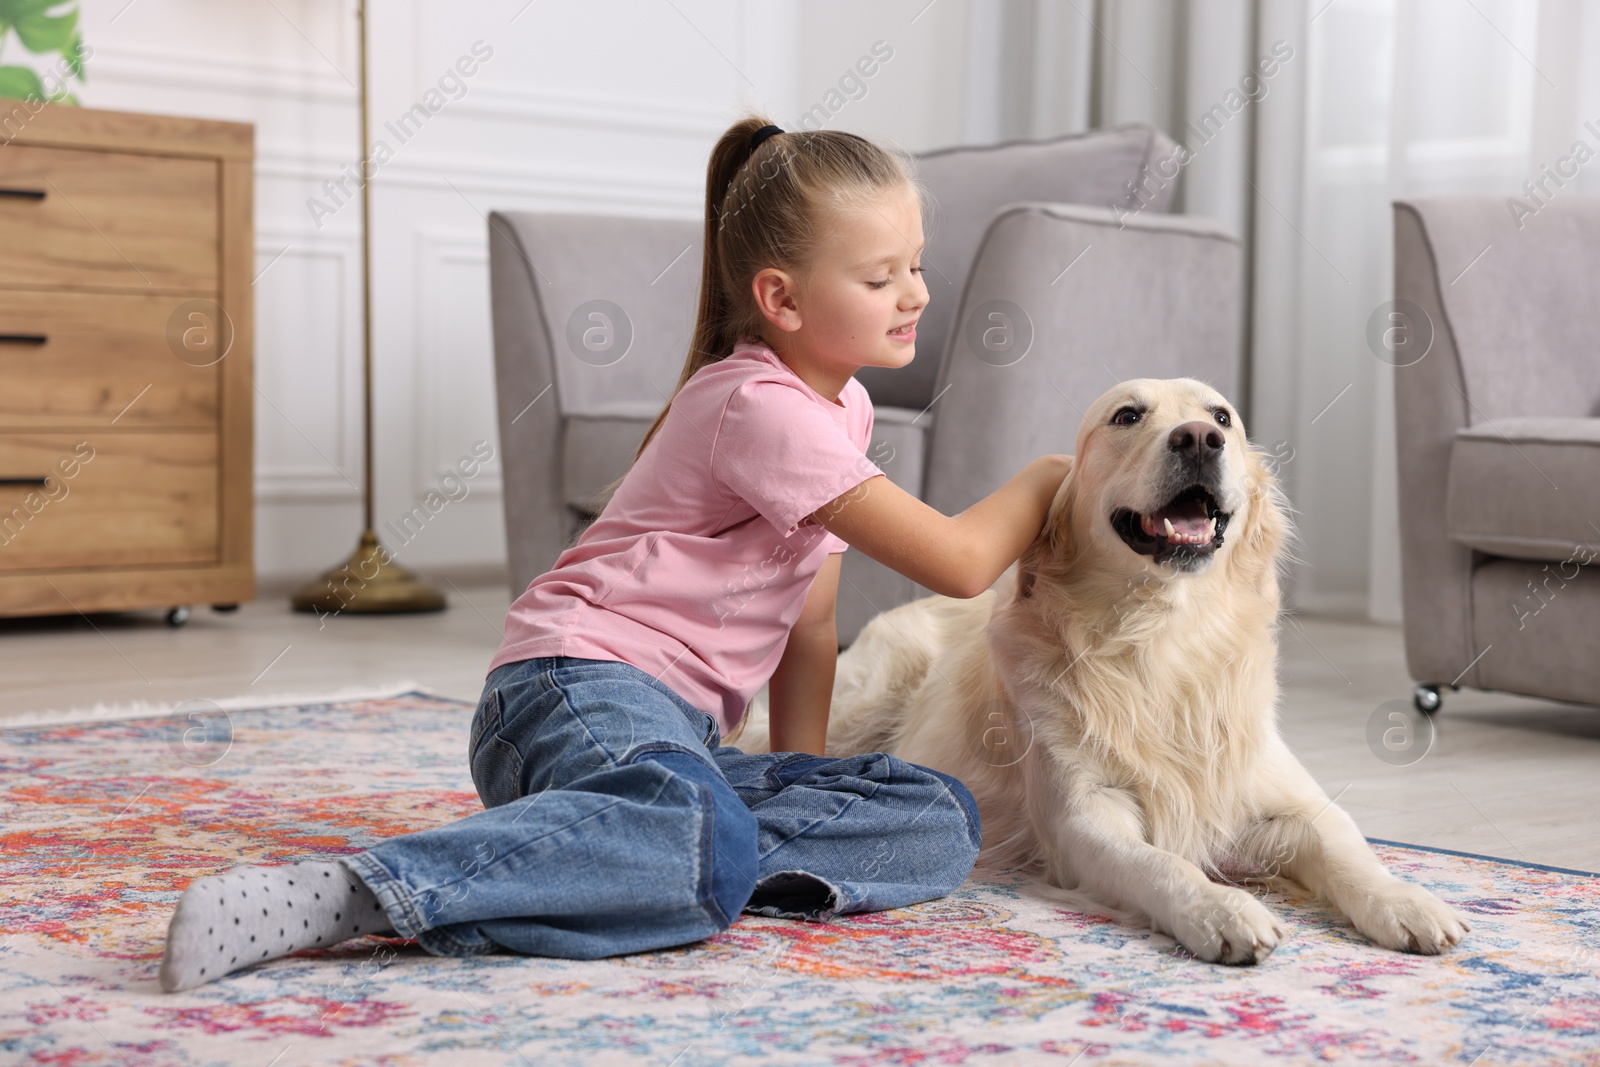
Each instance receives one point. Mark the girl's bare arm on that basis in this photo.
(799, 691)
(956, 555)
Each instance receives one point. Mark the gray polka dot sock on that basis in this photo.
(251, 913)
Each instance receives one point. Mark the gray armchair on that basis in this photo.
(1498, 430)
(1041, 297)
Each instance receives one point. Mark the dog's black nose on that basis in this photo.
(1196, 440)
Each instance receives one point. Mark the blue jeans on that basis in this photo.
(616, 821)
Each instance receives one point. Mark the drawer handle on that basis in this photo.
(22, 194)
(26, 481)
(23, 338)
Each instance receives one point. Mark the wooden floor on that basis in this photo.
(1505, 776)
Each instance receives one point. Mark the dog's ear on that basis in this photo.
(1264, 539)
(1051, 544)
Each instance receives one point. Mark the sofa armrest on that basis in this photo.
(527, 404)
(1093, 297)
(1430, 403)
(590, 311)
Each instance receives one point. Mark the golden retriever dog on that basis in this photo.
(1111, 701)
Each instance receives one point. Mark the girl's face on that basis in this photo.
(858, 304)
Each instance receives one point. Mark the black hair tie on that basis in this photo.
(761, 135)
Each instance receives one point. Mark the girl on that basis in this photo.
(615, 821)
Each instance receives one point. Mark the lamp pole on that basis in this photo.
(369, 582)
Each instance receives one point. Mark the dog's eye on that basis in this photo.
(1222, 417)
(1125, 417)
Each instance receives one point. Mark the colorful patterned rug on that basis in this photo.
(105, 821)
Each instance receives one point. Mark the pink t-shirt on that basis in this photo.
(698, 566)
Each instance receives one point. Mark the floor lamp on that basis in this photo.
(369, 582)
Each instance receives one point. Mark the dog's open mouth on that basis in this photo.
(1188, 528)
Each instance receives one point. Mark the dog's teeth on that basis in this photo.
(1211, 528)
(1170, 532)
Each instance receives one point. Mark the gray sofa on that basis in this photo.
(592, 317)
(1498, 429)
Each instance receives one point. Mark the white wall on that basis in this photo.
(581, 107)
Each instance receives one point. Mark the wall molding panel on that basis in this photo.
(438, 443)
(159, 68)
(625, 190)
(637, 114)
(280, 255)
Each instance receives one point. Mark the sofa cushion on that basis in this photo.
(1528, 488)
(597, 447)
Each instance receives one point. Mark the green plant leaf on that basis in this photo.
(47, 33)
(72, 53)
(20, 83)
(19, 8)
(12, 11)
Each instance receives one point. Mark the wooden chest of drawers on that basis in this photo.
(126, 251)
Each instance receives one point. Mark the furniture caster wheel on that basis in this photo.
(1426, 698)
(225, 609)
(178, 615)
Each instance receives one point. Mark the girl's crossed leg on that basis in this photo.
(615, 822)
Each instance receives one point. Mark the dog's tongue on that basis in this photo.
(1188, 518)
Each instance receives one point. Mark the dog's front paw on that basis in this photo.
(1406, 917)
(1228, 925)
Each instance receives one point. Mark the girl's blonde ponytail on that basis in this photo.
(711, 341)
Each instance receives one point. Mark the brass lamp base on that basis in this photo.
(370, 582)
